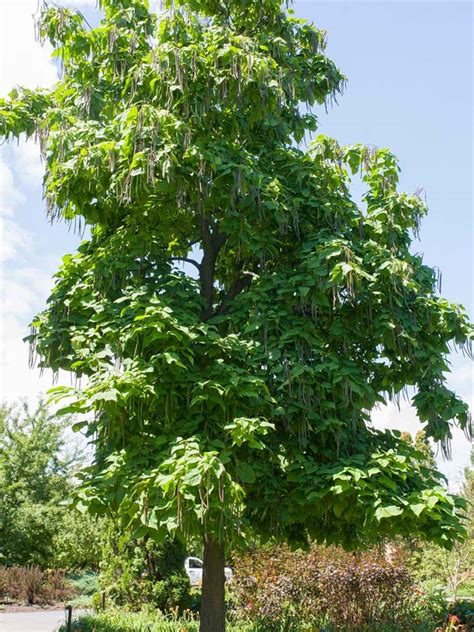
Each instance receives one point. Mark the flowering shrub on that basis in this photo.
(279, 589)
(453, 625)
(463, 612)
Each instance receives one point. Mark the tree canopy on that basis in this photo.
(36, 479)
(237, 399)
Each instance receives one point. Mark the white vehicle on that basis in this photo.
(193, 568)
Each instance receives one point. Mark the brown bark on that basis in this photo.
(213, 578)
(241, 284)
(212, 242)
(213, 592)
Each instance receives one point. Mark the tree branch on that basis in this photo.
(187, 260)
(239, 286)
(212, 242)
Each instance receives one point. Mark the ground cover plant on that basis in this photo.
(234, 400)
(146, 622)
(462, 612)
(85, 585)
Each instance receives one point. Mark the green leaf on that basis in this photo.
(417, 508)
(245, 472)
(388, 511)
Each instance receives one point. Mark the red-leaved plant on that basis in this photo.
(31, 585)
(325, 585)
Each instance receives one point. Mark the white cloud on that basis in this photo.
(13, 240)
(10, 196)
(23, 292)
(17, 380)
(24, 287)
(77, 4)
(27, 163)
(403, 418)
(461, 378)
(23, 61)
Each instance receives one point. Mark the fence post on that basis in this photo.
(102, 600)
(69, 618)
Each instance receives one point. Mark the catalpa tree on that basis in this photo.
(234, 400)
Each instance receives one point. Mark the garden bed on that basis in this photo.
(116, 621)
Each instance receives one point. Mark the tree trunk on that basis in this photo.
(213, 602)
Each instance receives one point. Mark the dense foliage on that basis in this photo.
(139, 572)
(280, 589)
(452, 571)
(314, 310)
(36, 480)
(236, 399)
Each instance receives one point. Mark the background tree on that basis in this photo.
(468, 493)
(237, 399)
(36, 478)
(422, 444)
(453, 570)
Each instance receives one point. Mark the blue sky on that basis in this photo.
(409, 69)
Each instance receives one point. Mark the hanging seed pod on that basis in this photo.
(111, 160)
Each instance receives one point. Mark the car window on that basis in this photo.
(193, 563)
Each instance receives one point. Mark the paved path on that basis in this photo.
(36, 621)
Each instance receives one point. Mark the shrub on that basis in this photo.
(31, 585)
(428, 604)
(139, 571)
(86, 586)
(279, 589)
(76, 542)
(86, 583)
